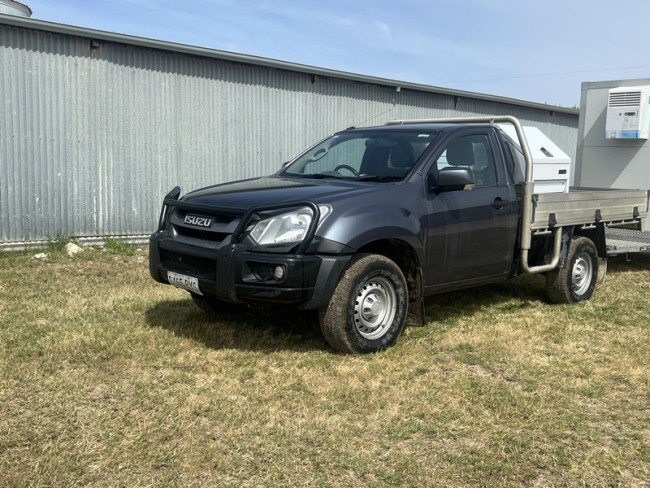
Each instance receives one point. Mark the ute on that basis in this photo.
(366, 223)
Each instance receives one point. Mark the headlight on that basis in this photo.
(288, 227)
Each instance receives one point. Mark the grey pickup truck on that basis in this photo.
(366, 223)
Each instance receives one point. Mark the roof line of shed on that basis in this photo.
(95, 34)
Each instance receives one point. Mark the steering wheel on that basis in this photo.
(349, 168)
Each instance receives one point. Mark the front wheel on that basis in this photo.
(368, 309)
(577, 280)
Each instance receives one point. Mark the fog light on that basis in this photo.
(278, 274)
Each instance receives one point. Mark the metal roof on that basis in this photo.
(12, 7)
(99, 35)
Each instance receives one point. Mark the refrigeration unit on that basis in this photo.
(628, 113)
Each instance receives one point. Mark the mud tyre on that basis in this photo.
(368, 309)
(576, 281)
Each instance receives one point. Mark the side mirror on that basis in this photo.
(454, 178)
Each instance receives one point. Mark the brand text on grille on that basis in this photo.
(200, 221)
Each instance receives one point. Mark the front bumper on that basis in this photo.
(234, 274)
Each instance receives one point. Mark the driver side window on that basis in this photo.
(473, 152)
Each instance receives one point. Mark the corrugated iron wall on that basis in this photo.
(94, 133)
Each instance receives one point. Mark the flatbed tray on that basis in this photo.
(585, 206)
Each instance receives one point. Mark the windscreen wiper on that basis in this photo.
(318, 176)
(379, 178)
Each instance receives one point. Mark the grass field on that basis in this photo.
(110, 379)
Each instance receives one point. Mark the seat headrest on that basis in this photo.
(461, 152)
(401, 155)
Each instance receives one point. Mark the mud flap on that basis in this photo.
(416, 313)
(602, 270)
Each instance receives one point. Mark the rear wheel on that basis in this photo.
(368, 309)
(577, 280)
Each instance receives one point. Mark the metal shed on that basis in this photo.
(96, 127)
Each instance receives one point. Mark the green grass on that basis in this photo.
(110, 379)
(117, 246)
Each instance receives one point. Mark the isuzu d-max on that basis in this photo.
(366, 223)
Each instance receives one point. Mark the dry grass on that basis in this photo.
(109, 379)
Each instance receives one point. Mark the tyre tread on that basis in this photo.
(558, 281)
(333, 318)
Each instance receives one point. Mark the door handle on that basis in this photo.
(499, 203)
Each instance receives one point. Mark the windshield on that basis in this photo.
(373, 154)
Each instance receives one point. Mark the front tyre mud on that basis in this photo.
(368, 309)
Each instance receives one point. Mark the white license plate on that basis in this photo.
(185, 282)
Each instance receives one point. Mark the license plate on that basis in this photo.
(185, 282)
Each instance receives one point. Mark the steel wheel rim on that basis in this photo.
(581, 274)
(375, 307)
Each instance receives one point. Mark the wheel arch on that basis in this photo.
(402, 254)
(595, 234)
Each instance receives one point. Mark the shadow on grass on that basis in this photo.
(276, 330)
(293, 330)
(625, 263)
(518, 293)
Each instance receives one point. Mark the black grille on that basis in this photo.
(190, 265)
(205, 235)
